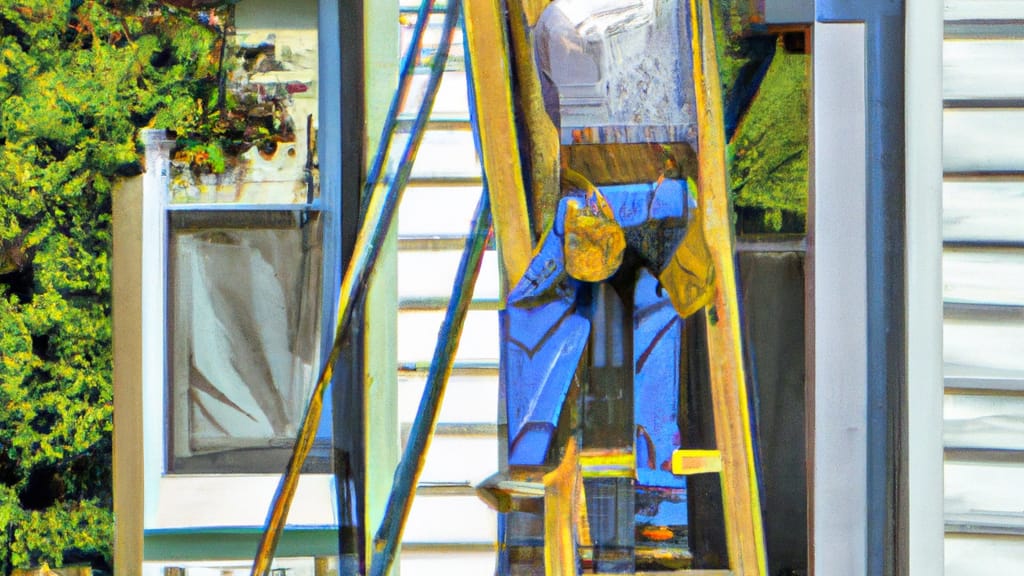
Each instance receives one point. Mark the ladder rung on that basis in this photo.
(647, 554)
(688, 573)
(436, 243)
(675, 573)
(482, 368)
(432, 304)
(442, 123)
(686, 462)
(607, 464)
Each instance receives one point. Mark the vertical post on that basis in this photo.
(129, 480)
(741, 499)
(154, 318)
(380, 358)
(348, 396)
(884, 247)
(839, 271)
(492, 92)
(325, 566)
(924, 280)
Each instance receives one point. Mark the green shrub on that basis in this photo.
(78, 79)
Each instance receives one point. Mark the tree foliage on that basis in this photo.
(770, 149)
(78, 79)
(766, 91)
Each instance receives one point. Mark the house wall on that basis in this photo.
(983, 298)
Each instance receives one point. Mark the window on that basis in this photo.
(245, 297)
(244, 321)
(234, 293)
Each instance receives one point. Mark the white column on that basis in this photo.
(154, 287)
(837, 248)
(924, 284)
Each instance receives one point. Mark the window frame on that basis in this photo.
(241, 460)
(164, 539)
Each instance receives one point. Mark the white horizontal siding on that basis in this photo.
(978, 69)
(437, 211)
(427, 274)
(983, 269)
(449, 531)
(981, 211)
(980, 276)
(977, 348)
(468, 400)
(445, 154)
(983, 556)
(460, 459)
(432, 37)
(451, 95)
(450, 519)
(983, 140)
(984, 421)
(470, 563)
(417, 336)
(986, 488)
(984, 10)
(190, 501)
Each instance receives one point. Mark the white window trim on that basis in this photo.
(924, 34)
(838, 271)
(166, 495)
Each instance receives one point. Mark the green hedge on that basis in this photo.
(78, 79)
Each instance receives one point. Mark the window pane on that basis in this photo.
(245, 320)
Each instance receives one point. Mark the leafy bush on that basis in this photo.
(770, 150)
(77, 81)
(766, 91)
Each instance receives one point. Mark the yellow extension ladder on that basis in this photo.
(733, 459)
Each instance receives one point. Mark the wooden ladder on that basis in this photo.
(733, 458)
